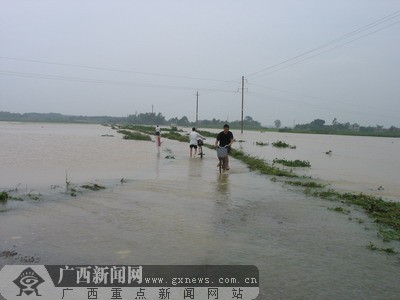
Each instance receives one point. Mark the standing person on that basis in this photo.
(194, 137)
(158, 135)
(225, 138)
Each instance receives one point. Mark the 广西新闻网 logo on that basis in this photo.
(28, 282)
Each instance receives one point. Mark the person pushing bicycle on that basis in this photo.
(225, 139)
(194, 138)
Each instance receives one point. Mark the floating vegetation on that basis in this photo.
(307, 184)
(93, 187)
(340, 209)
(170, 157)
(293, 163)
(328, 152)
(73, 192)
(372, 247)
(273, 179)
(131, 135)
(107, 135)
(4, 196)
(240, 141)
(281, 144)
(360, 221)
(262, 144)
(33, 196)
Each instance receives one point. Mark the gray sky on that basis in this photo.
(147, 52)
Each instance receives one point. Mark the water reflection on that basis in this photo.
(3, 206)
(223, 191)
(158, 156)
(195, 167)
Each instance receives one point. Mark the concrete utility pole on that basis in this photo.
(242, 102)
(197, 108)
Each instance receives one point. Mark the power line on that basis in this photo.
(99, 81)
(330, 49)
(111, 69)
(324, 45)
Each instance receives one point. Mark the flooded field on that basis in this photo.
(158, 210)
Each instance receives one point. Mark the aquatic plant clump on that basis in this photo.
(293, 163)
(93, 187)
(3, 196)
(281, 144)
(262, 144)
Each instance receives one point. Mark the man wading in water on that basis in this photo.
(225, 138)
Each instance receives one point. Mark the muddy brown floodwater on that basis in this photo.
(179, 211)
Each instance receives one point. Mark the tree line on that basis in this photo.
(141, 118)
(320, 126)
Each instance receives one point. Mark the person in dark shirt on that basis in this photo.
(225, 138)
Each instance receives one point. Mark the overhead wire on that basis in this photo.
(324, 45)
(97, 81)
(112, 69)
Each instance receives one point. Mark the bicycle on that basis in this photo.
(222, 154)
(200, 147)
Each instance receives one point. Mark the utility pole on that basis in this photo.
(242, 102)
(152, 107)
(197, 108)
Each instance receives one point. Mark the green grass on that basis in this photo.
(258, 164)
(307, 184)
(173, 135)
(384, 213)
(372, 247)
(130, 135)
(293, 163)
(340, 209)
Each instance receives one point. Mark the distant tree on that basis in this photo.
(317, 123)
(277, 123)
(183, 121)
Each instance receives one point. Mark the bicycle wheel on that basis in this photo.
(201, 152)
(221, 161)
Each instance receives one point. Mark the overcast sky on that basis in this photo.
(302, 59)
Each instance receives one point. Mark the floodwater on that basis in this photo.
(181, 211)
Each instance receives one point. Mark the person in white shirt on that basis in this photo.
(158, 135)
(194, 137)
